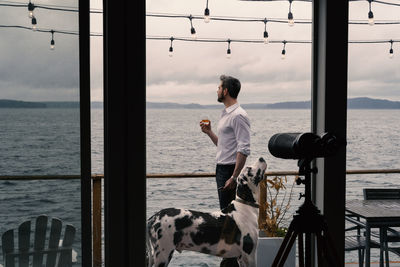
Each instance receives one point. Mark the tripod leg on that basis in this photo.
(286, 246)
(282, 248)
(308, 249)
(329, 250)
(301, 250)
(320, 245)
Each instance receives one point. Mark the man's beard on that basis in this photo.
(221, 98)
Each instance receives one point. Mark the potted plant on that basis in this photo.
(275, 199)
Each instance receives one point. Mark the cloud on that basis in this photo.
(259, 66)
(29, 70)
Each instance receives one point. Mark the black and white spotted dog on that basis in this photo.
(231, 233)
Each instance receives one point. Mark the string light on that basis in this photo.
(34, 22)
(270, 20)
(370, 15)
(284, 42)
(283, 56)
(391, 49)
(31, 7)
(290, 14)
(192, 30)
(206, 14)
(52, 43)
(171, 49)
(228, 52)
(266, 41)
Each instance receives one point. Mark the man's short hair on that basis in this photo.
(232, 84)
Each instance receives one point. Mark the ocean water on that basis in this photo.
(46, 141)
(176, 144)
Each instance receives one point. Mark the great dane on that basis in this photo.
(230, 233)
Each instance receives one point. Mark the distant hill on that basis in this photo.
(370, 103)
(290, 105)
(352, 103)
(170, 105)
(6, 103)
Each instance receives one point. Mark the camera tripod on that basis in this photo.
(308, 221)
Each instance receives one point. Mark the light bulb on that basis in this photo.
(266, 41)
(206, 15)
(31, 7)
(228, 53)
(391, 53)
(171, 52)
(193, 32)
(283, 56)
(34, 22)
(52, 44)
(290, 19)
(371, 18)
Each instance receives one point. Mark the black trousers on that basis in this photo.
(222, 174)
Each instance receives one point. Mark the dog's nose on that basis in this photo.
(261, 160)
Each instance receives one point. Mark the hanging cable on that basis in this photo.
(94, 34)
(284, 42)
(391, 49)
(290, 14)
(270, 20)
(206, 14)
(171, 49)
(370, 14)
(228, 52)
(265, 32)
(283, 55)
(192, 30)
(52, 43)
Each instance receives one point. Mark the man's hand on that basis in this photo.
(230, 184)
(205, 127)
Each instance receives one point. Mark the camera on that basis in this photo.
(303, 145)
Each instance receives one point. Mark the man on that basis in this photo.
(232, 141)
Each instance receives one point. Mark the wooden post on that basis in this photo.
(262, 215)
(97, 260)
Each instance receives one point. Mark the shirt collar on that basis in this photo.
(231, 108)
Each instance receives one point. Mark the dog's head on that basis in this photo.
(249, 180)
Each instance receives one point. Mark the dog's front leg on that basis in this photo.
(247, 260)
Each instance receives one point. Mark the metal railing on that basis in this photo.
(97, 194)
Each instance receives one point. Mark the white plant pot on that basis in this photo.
(268, 247)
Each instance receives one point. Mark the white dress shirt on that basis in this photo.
(233, 133)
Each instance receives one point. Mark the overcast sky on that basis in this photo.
(31, 71)
(192, 74)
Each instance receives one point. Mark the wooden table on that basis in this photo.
(377, 214)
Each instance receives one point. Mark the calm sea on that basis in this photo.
(46, 141)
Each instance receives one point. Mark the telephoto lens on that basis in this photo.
(295, 145)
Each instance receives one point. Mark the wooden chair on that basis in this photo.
(31, 253)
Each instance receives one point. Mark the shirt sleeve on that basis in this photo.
(241, 127)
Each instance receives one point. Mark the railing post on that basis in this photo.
(262, 215)
(96, 202)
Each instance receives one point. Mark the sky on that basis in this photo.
(30, 71)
